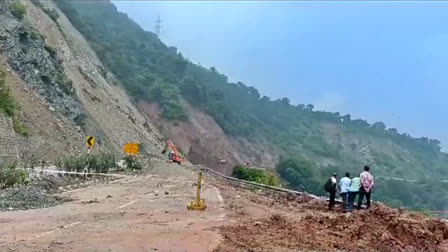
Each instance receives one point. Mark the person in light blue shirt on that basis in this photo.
(345, 184)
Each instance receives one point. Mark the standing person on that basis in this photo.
(331, 187)
(366, 186)
(345, 184)
(354, 189)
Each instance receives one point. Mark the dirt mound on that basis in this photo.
(378, 229)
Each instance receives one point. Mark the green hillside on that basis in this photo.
(324, 141)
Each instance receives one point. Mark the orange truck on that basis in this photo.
(173, 153)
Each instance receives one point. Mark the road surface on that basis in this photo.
(138, 213)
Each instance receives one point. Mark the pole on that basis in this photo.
(157, 26)
(86, 169)
(198, 194)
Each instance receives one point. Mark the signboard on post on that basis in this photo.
(90, 141)
(131, 148)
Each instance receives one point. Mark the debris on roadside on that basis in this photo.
(394, 231)
(90, 201)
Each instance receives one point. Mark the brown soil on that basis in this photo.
(200, 134)
(309, 227)
(138, 213)
(147, 212)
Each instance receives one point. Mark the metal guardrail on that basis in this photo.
(272, 188)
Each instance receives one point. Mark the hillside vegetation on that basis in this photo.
(10, 107)
(313, 144)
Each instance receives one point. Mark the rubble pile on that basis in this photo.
(380, 229)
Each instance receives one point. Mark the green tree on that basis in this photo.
(379, 126)
(297, 171)
(255, 175)
(7, 103)
(17, 9)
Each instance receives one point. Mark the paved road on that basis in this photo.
(139, 213)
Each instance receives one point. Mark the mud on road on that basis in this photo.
(137, 213)
(147, 212)
(288, 224)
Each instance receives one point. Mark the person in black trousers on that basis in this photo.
(331, 187)
(366, 186)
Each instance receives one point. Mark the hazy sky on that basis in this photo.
(379, 61)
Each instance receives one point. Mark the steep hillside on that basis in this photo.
(204, 142)
(61, 91)
(193, 101)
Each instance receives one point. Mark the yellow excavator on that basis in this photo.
(198, 204)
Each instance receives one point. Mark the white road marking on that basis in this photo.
(221, 217)
(52, 231)
(125, 205)
(219, 195)
(116, 181)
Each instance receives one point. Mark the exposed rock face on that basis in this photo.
(63, 90)
(38, 64)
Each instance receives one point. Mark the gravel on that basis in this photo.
(41, 192)
(25, 197)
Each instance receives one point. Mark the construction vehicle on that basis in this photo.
(198, 204)
(173, 153)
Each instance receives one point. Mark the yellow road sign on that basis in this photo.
(131, 148)
(90, 141)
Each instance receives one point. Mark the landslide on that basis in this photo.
(264, 220)
(311, 228)
(219, 123)
(64, 91)
(202, 141)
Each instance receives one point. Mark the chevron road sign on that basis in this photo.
(90, 141)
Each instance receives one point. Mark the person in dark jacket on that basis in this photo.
(331, 187)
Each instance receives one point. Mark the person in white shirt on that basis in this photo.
(345, 184)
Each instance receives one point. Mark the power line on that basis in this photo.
(157, 26)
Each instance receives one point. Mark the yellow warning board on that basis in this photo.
(90, 141)
(131, 148)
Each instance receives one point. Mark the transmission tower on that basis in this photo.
(157, 26)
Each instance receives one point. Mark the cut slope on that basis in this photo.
(203, 141)
(112, 113)
(108, 113)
